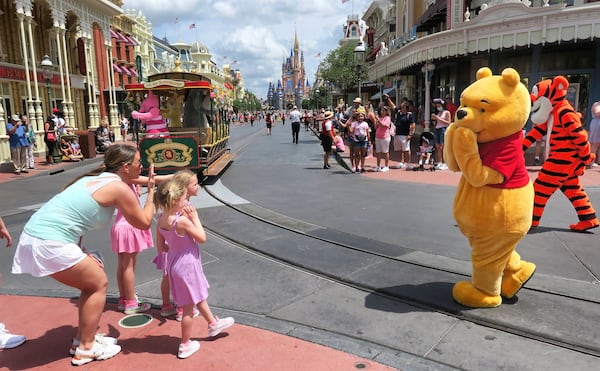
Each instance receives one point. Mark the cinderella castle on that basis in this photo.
(293, 86)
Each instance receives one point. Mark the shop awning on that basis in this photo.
(434, 14)
(117, 69)
(133, 72)
(120, 37)
(373, 54)
(126, 71)
(131, 41)
(389, 91)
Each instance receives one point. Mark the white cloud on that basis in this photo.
(258, 34)
(225, 9)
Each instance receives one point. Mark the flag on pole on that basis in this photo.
(176, 20)
(345, 1)
(192, 26)
(318, 55)
(234, 62)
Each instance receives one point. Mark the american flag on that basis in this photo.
(176, 20)
(234, 62)
(345, 1)
(318, 55)
(193, 25)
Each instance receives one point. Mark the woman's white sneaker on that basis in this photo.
(99, 352)
(98, 338)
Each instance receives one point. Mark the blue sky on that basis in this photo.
(257, 34)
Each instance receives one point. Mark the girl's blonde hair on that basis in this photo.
(183, 177)
(168, 193)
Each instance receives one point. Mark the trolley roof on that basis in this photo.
(171, 81)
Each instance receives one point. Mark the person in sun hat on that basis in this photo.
(18, 143)
(327, 135)
(356, 104)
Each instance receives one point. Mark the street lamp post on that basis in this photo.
(47, 73)
(427, 70)
(359, 59)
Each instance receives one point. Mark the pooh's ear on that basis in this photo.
(511, 76)
(483, 72)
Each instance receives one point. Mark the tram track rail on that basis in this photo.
(453, 310)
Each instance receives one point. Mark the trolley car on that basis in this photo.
(198, 133)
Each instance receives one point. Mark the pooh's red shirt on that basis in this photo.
(506, 157)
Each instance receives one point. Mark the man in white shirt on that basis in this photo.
(295, 117)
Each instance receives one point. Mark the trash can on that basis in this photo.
(55, 153)
(87, 143)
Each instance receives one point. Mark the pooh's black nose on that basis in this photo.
(460, 114)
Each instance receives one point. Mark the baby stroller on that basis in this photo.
(426, 152)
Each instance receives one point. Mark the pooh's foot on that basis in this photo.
(466, 294)
(513, 281)
(584, 225)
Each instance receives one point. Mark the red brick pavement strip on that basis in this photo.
(49, 324)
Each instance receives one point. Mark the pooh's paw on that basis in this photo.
(466, 294)
(584, 225)
(513, 281)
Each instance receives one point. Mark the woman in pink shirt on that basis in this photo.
(382, 139)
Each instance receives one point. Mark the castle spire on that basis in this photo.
(296, 43)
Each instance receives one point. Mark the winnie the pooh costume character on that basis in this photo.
(149, 114)
(494, 199)
(567, 151)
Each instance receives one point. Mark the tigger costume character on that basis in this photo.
(567, 151)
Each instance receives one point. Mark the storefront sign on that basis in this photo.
(18, 74)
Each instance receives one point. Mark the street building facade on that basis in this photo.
(432, 48)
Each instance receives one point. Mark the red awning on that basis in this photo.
(122, 38)
(113, 34)
(228, 86)
(117, 69)
(373, 54)
(133, 72)
(126, 71)
(131, 41)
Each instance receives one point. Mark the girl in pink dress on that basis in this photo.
(180, 229)
(127, 241)
(189, 180)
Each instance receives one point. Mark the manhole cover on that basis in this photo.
(135, 320)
